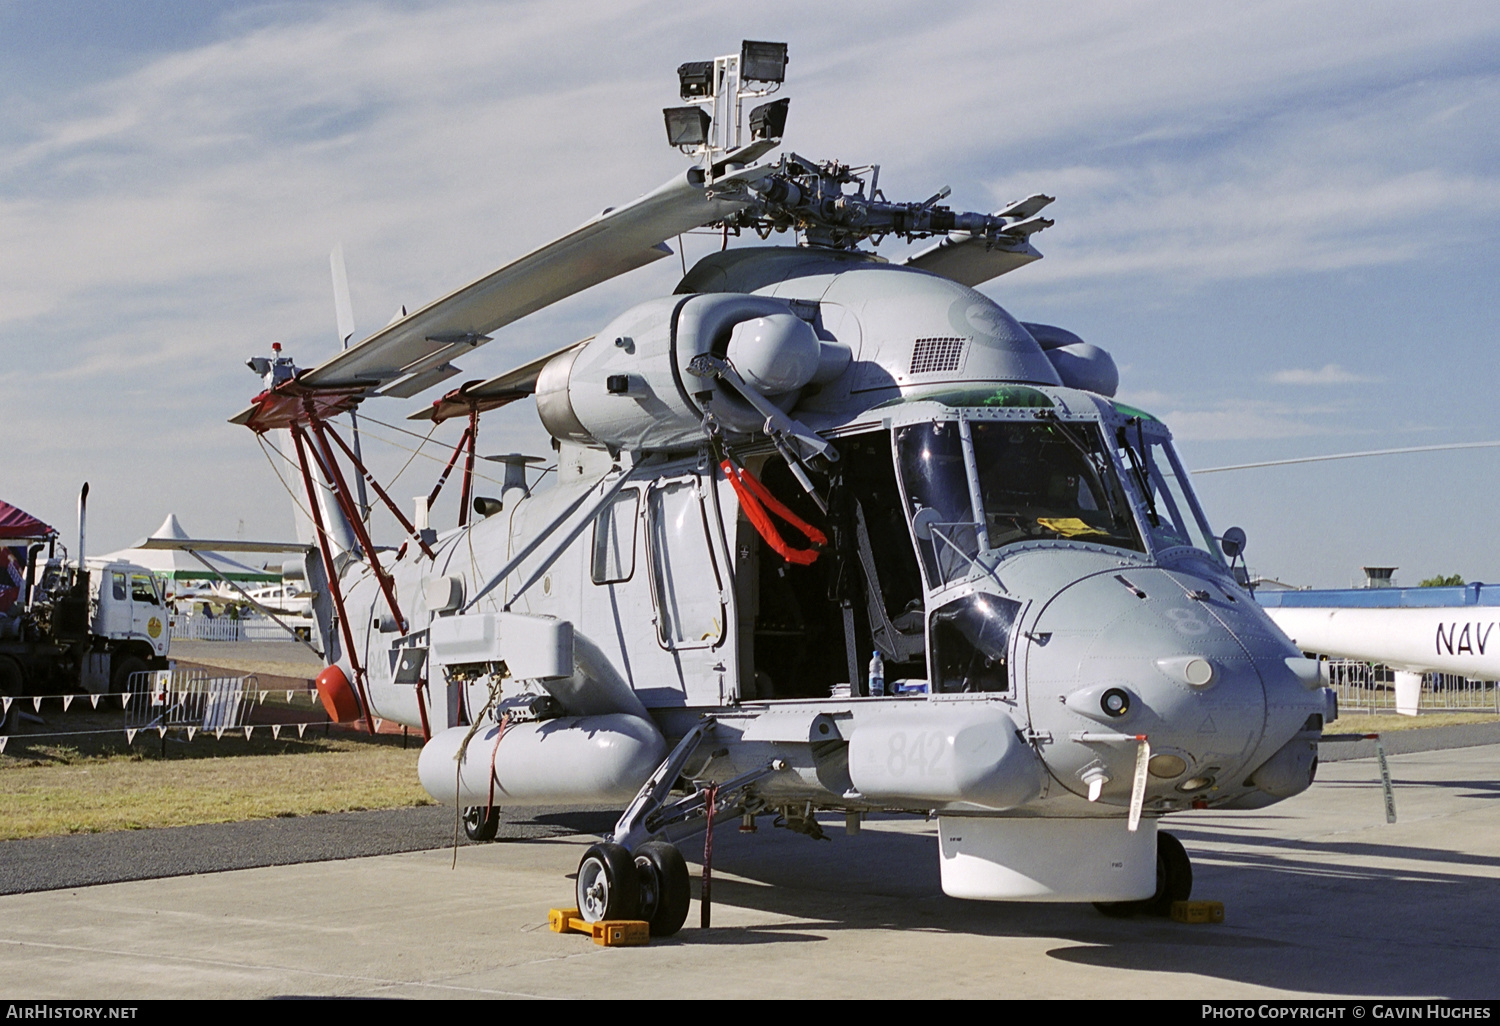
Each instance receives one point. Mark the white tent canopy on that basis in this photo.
(178, 565)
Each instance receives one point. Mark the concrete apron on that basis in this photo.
(1323, 898)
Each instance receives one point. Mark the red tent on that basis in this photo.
(17, 523)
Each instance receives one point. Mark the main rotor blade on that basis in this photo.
(1349, 456)
(616, 241)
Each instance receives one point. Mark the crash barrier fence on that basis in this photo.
(182, 702)
(1363, 687)
(198, 627)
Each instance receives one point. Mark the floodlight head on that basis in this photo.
(687, 126)
(768, 121)
(696, 79)
(762, 62)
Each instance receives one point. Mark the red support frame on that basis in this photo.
(341, 492)
(463, 441)
(333, 575)
(468, 491)
(395, 511)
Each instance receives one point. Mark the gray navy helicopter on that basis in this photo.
(826, 533)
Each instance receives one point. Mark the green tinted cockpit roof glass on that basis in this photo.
(1008, 396)
(1131, 411)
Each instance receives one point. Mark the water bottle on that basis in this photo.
(877, 675)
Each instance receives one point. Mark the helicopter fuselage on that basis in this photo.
(1062, 648)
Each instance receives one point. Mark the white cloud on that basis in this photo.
(164, 223)
(1328, 374)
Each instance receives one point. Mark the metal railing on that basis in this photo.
(222, 628)
(1371, 688)
(191, 699)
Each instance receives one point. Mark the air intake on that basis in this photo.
(937, 355)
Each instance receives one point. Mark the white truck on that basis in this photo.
(81, 631)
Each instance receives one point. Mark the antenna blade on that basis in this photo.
(342, 308)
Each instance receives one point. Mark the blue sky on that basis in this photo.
(1281, 218)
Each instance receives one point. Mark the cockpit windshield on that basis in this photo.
(1049, 480)
(1033, 480)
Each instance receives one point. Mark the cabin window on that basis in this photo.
(142, 590)
(684, 575)
(614, 540)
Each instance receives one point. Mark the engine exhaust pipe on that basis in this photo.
(83, 509)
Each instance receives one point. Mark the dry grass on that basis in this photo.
(1364, 723)
(50, 791)
(73, 770)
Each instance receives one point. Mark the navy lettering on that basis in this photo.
(1442, 641)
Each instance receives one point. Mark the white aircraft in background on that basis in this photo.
(1454, 629)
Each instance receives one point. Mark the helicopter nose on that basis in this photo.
(1167, 655)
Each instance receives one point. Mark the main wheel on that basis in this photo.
(1174, 882)
(608, 886)
(665, 889)
(119, 679)
(481, 822)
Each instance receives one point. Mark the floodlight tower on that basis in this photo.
(714, 125)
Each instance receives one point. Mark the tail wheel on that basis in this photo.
(608, 885)
(481, 822)
(665, 887)
(12, 684)
(1174, 882)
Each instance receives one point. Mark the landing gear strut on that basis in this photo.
(1174, 882)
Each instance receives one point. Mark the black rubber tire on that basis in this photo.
(481, 822)
(607, 886)
(1174, 876)
(666, 890)
(1174, 882)
(120, 671)
(12, 685)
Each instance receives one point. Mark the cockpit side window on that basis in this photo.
(931, 460)
(1172, 517)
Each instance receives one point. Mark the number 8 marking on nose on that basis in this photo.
(1186, 621)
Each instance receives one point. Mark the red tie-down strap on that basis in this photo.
(756, 501)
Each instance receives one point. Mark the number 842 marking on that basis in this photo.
(919, 753)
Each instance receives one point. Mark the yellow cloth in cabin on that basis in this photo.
(1069, 527)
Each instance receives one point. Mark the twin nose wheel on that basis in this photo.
(1174, 882)
(651, 885)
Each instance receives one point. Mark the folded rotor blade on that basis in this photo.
(498, 391)
(965, 259)
(616, 241)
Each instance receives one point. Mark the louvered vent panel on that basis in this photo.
(937, 355)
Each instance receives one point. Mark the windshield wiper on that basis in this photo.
(1088, 461)
(1136, 461)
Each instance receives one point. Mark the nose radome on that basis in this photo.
(1191, 687)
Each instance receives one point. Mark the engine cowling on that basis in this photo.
(630, 386)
